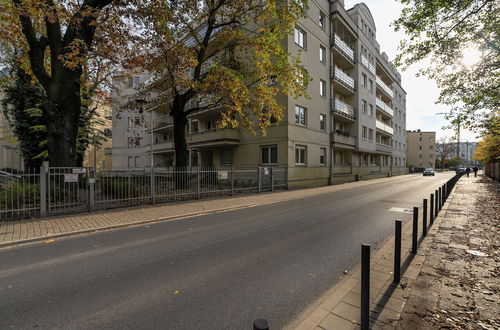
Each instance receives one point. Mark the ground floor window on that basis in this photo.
(193, 157)
(269, 155)
(133, 161)
(322, 156)
(300, 155)
(226, 157)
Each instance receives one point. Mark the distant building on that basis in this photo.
(100, 157)
(463, 150)
(10, 154)
(421, 149)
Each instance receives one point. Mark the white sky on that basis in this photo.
(421, 112)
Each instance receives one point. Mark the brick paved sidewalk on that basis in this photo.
(15, 232)
(431, 294)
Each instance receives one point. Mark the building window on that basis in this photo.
(137, 81)
(269, 155)
(226, 157)
(134, 142)
(300, 115)
(322, 54)
(134, 122)
(371, 85)
(322, 156)
(322, 122)
(364, 132)
(364, 79)
(130, 82)
(300, 155)
(322, 88)
(322, 19)
(300, 37)
(370, 134)
(364, 107)
(371, 110)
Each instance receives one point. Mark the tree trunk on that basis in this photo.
(181, 151)
(63, 113)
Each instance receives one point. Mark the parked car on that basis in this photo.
(6, 177)
(429, 171)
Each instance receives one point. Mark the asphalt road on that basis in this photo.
(217, 271)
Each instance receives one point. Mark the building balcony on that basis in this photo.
(343, 49)
(211, 138)
(163, 124)
(384, 148)
(384, 107)
(367, 64)
(383, 128)
(342, 139)
(384, 88)
(342, 81)
(343, 109)
(163, 146)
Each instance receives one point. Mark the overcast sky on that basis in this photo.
(421, 112)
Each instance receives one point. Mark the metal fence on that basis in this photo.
(62, 190)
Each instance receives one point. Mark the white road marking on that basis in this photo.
(401, 210)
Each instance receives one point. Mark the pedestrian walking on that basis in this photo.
(475, 171)
(467, 170)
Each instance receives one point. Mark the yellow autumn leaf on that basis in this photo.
(49, 240)
(177, 292)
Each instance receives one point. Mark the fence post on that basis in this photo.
(415, 231)
(443, 200)
(153, 192)
(397, 252)
(431, 213)
(43, 191)
(436, 203)
(440, 196)
(258, 179)
(232, 181)
(261, 324)
(91, 194)
(272, 179)
(365, 286)
(424, 218)
(198, 183)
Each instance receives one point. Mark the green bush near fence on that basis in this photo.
(18, 195)
(122, 187)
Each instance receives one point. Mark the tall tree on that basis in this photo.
(222, 54)
(57, 38)
(461, 40)
(444, 150)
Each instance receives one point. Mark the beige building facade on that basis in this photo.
(352, 127)
(421, 149)
(10, 153)
(99, 157)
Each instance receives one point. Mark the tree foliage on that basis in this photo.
(443, 32)
(488, 149)
(444, 150)
(222, 54)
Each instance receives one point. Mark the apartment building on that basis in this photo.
(352, 126)
(99, 157)
(421, 149)
(10, 153)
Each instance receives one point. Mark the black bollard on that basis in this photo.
(424, 217)
(365, 286)
(397, 252)
(260, 324)
(415, 231)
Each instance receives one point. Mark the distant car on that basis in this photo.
(429, 171)
(6, 177)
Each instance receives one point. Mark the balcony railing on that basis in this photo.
(342, 107)
(343, 78)
(367, 64)
(384, 87)
(163, 123)
(384, 107)
(343, 47)
(383, 127)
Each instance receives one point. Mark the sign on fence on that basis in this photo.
(266, 170)
(78, 170)
(222, 175)
(70, 177)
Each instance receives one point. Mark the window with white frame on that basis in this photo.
(269, 155)
(322, 88)
(363, 76)
(300, 155)
(322, 156)
(134, 122)
(322, 54)
(364, 107)
(371, 110)
(322, 122)
(300, 37)
(300, 115)
(371, 85)
(364, 132)
(134, 142)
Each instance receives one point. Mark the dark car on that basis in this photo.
(429, 171)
